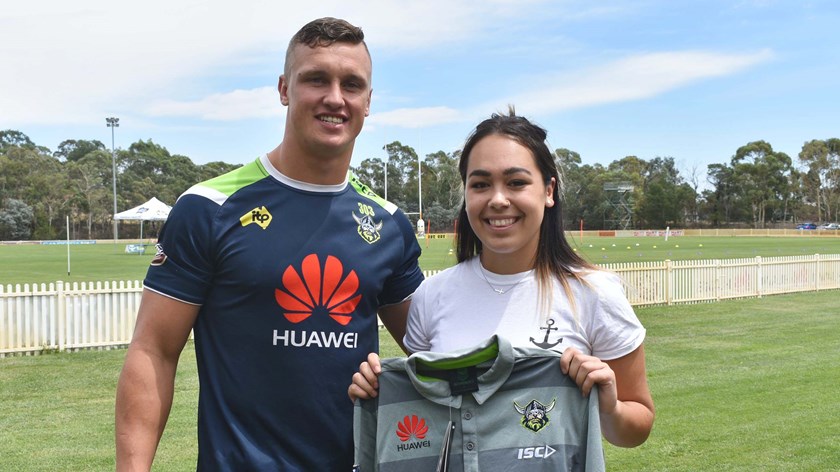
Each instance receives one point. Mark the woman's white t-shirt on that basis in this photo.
(460, 307)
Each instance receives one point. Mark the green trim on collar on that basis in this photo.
(471, 359)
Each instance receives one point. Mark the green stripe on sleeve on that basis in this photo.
(236, 179)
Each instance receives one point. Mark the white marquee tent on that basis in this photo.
(153, 210)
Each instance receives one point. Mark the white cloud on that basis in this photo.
(263, 102)
(632, 78)
(63, 60)
(72, 62)
(416, 117)
(91, 55)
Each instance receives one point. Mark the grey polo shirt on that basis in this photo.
(512, 409)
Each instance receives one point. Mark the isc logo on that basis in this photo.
(537, 452)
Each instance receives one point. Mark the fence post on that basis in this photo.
(759, 275)
(817, 272)
(717, 280)
(19, 316)
(61, 305)
(27, 313)
(3, 328)
(668, 284)
(52, 339)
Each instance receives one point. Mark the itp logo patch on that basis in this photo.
(260, 216)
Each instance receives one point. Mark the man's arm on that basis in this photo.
(147, 381)
(394, 317)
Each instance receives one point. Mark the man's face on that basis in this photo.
(328, 91)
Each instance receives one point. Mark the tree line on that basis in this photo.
(758, 187)
(40, 187)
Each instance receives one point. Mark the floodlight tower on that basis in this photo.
(620, 198)
(420, 177)
(113, 122)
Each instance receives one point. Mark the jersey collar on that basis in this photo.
(495, 354)
(300, 185)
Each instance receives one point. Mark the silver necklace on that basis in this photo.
(499, 290)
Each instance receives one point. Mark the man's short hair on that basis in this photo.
(324, 32)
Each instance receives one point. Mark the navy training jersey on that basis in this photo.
(289, 277)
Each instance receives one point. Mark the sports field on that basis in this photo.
(741, 385)
(105, 261)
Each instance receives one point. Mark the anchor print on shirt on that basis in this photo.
(548, 329)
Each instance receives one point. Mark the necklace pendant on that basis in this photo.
(499, 291)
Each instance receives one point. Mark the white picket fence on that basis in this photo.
(101, 315)
(670, 282)
(67, 316)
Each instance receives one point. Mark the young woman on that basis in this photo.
(518, 277)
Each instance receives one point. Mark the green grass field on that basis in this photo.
(741, 385)
(104, 261)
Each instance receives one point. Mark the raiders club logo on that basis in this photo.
(368, 229)
(534, 414)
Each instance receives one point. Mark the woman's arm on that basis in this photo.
(626, 405)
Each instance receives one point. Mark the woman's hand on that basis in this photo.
(587, 371)
(365, 382)
(624, 398)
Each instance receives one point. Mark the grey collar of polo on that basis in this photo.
(495, 354)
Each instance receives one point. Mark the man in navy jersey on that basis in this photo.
(280, 268)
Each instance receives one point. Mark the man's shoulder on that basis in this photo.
(364, 190)
(220, 188)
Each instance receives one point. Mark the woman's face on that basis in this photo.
(505, 201)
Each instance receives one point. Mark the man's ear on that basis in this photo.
(283, 88)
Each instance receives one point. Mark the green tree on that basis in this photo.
(594, 201)
(72, 150)
(442, 190)
(665, 199)
(570, 187)
(762, 176)
(214, 169)
(722, 201)
(371, 172)
(149, 170)
(822, 158)
(31, 175)
(441, 179)
(13, 138)
(90, 182)
(16, 219)
(402, 176)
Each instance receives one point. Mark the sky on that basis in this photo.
(691, 80)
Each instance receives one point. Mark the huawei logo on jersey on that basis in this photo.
(412, 426)
(318, 288)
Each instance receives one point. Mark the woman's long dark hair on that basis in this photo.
(555, 258)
